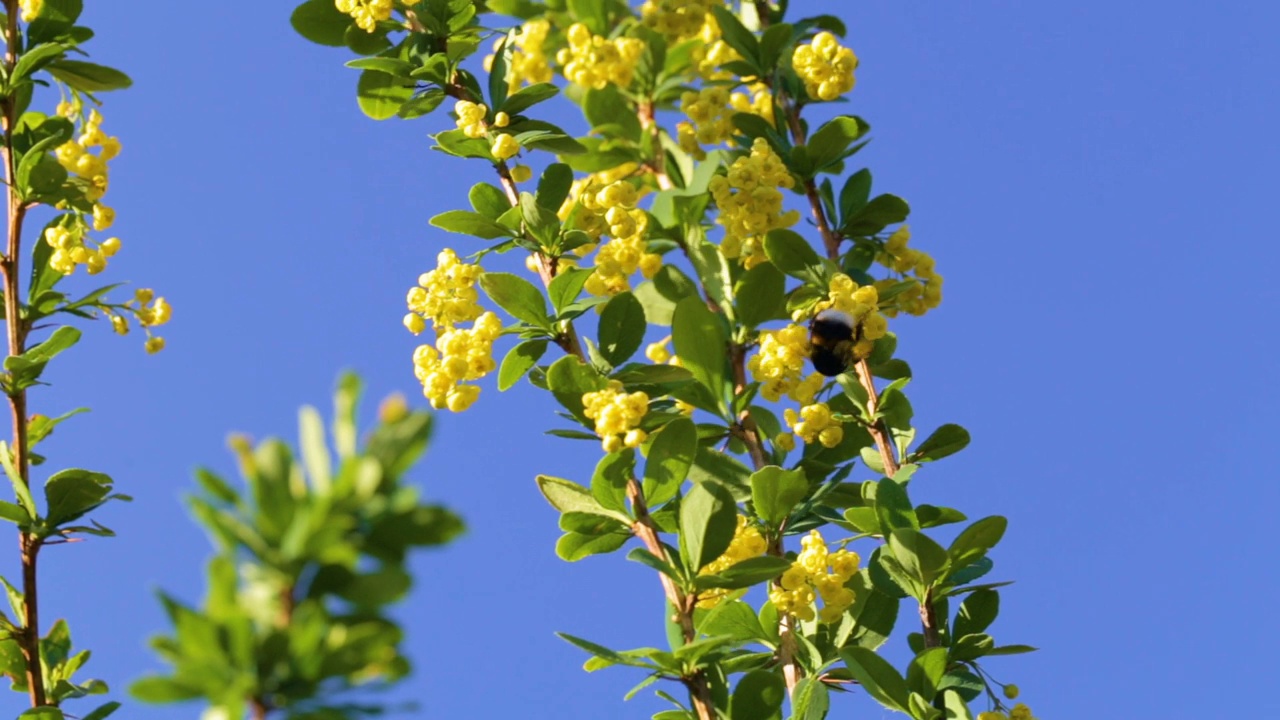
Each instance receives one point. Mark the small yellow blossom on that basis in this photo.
(751, 204)
(658, 352)
(367, 13)
(458, 356)
(825, 67)
(677, 19)
(779, 366)
(504, 147)
(814, 423)
(914, 266)
(747, 543)
(31, 9)
(521, 173)
(617, 415)
(594, 62)
(861, 302)
(816, 572)
(470, 118)
(154, 345)
(447, 295)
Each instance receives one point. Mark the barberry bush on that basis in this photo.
(56, 156)
(781, 509)
(308, 559)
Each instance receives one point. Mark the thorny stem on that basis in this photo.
(28, 544)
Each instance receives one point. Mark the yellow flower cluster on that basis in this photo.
(593, 61)
(913, 265)
(31, 9)
(617, 415)
(504, 145)
(780, 364)
(528, 62)
(367, 13)
(710, 116)
(589, 215)
(459, 355)
(75, 156)
(446, 296)
(861, 303)
(619, 258)
(751, 204)
(677, 19)
(816, 569)
(815, 423)
(747, 543)
(70, 250)
(825, 67)
(1018, 712)
(471, 118)
(151, 311)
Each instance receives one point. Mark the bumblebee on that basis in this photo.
(832, 335)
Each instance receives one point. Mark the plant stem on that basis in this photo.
(643, 528)
(29, 545)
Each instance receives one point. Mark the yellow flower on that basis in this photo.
(816, 573)
(504, 147)
(617, 415)
(459, 355)
(470, 118)
(367, 13)
(103, 217)
(31, 9)
(658, 352)
(1011, 691)
(446, 296)
(747, 543)
(154, 345)
(814, 423)
(677, 19)
(521, 173)
(751, 204)
(915, 267)
(594, 62)
(825, 67)
(780, 363)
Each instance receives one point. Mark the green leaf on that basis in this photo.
(671, 455)
(737, 36)
(877, 677)
(793, 255)
(977, 612)
(321, 22)
(14, 513)
(470, 223)
(527, 97)
(874, 612)
(380, 95)
(489, 201)
(883, 210)
(102, 711)
(565, 287)
(648, 559)
(746, 573)
(893, 507)
(519, 361)
(567, 496)
(701, 343)
(758, 696)
(609, 482)
(708, 518)
(828, 144)
(946, 440)
(775, 492)
(761, 295)
(1012, 650)
(622, 327)
(607, 107)
(569, 379)
(43, 713)
(20, 488)
(56, 18)
(854, 194)
(517, 296)
(542, 223)
(974, 541)
(88, 77)
(735, 619)
(71, 493)
(554, 186)
(389, 65)
(315, 453)
(811, 700)
(923, 558)
(926, 671)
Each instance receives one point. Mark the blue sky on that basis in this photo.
(1090, 176)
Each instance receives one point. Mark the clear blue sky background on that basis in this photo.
(1091, 176)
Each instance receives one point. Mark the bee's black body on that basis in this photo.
(832, 334)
